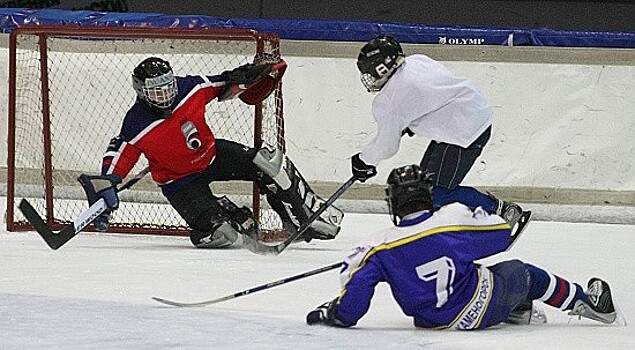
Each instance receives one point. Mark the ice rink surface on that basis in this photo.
(95, 293)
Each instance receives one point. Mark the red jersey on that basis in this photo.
(177, 146)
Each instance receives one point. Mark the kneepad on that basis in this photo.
(273, 163)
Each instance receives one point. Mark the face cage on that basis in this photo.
(373, 83)
(161, 96)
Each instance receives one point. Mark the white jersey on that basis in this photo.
(427, 98)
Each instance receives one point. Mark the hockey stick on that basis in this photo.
(56, 240)
(264, 249)
(250, 290)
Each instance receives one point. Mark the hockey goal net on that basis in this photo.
(69, 89)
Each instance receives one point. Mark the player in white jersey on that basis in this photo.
(428, 260)
(417, 95)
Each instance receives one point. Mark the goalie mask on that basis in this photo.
(409, 190)
(154, 82)
(378, 60)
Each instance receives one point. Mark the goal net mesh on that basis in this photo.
(70, 88)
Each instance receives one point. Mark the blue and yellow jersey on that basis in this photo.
(428, 262)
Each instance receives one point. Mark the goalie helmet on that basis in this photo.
(378, 60)
(409, 190)
(154, 82)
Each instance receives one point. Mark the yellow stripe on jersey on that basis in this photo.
(427, 233)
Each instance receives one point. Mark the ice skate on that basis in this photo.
(527, 313)
(600, 306)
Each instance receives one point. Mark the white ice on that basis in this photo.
(95, 293)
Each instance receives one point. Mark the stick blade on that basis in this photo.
(54, 240)
(260, 248)
(168, 302)
(181, 304)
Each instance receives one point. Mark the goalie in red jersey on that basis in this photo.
(167, 125)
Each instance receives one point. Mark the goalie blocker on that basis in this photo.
(292, 198)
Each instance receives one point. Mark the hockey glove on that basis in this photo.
(101, 186)
(247, 74)
(252, 83)
(362, 171)
(325, 314)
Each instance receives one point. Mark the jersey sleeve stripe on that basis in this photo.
(206, 84)
(145, 131)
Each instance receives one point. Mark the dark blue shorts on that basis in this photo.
(511, 288)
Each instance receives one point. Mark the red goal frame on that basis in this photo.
(263, 41)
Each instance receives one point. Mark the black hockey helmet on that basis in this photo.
(409, 190)
(378, 60)
(154, 82)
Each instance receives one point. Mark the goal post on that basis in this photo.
(69, 90)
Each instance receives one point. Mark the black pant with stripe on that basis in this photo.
(449, 165)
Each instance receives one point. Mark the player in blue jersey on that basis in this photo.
(167, 125)
(428, 257)
(417, 95)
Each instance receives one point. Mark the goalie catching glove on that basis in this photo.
(101, 187)
(252, 83)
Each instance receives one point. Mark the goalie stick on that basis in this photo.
(250, 290)
(264, 249)
(56, 240)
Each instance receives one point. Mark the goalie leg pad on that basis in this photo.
(292, 198)
(327, 225)
(227, 227)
